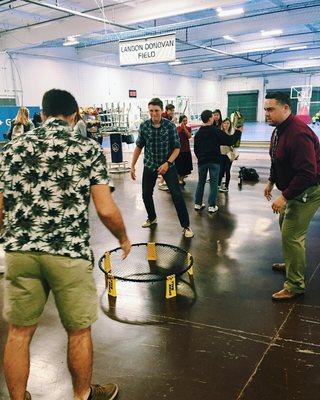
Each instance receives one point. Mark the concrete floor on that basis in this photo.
(221, 338)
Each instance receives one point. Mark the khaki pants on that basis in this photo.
(29, 278)
(294, 223)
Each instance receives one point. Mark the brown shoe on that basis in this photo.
(27, 396)
(285, 294)
(105, 392)
(279, 267)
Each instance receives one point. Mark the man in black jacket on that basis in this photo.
(207, 144)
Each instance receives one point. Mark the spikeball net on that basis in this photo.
(146, 262)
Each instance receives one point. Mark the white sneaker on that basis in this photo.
(187, 232)
(213, 209)
(199, 207)
(163, 186)
(148, 223)
(223, 189)
(2, 269)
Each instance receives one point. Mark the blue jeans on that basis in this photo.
(149, 179)
(214, 170)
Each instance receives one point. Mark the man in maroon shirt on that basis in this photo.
(295, 170)
(169, 113)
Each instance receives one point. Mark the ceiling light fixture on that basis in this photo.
(176, 62)
(314, 58)
(227, 37)
(70, 41)
(229, 13)
(271, 33)
(298, 48)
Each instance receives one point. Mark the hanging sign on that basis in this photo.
(148, 50)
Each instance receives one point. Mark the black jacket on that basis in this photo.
(207, 143)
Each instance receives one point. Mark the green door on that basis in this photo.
(245, 102)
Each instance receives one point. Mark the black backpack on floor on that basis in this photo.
(248, 174)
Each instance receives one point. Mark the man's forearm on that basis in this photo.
(115, 225)
(174, 155)
(136, 155)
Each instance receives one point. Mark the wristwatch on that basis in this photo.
(169, 163)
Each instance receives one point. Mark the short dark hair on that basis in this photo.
(156, 102)
(58, 102)
(181, 118)
(206, 115)
(170, 107)
(281, 97)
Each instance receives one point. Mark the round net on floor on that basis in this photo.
(170, 260)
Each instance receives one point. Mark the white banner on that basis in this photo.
(148, 50)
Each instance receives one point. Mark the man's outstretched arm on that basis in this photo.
(110, 215)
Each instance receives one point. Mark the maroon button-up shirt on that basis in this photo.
(295, 165)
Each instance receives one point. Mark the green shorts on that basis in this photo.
(29, 278)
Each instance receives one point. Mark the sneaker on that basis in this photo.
(187, 232)
(27, 396)
(163, 186)
(213, 209)
(2, 269)
(199, 207)
(148, 223)
(105, 392)
(223, 189)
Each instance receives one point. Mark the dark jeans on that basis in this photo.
(225, 168)
(149, 179)
(214, 176)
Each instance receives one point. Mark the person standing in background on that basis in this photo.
(169, 112)
(184, 159)
(228, 155)
(207, 144)
(37, 120)
(21, 124)
(80, 127)
(217, 118)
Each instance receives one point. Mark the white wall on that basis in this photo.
(97, 85)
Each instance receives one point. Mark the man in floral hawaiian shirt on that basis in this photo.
(46, 178)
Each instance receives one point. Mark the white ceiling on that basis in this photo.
(40, 27)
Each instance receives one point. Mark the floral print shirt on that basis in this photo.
(45, 176)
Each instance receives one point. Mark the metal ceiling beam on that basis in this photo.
(188, 60)
(210, 49)
(311, 28)
(76, 13)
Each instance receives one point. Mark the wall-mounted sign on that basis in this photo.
(152, 49)
(132, 93)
